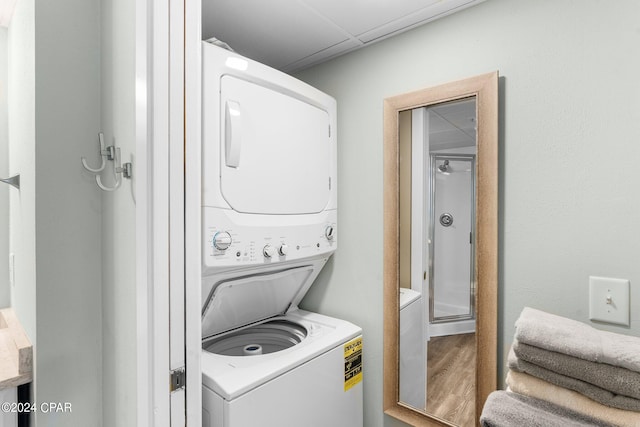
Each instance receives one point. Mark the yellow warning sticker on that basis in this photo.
(352, 363)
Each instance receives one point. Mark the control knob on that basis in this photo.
(283, 249)
(329, 232)
(268, 251)
(222, 240)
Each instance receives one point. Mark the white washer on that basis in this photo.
(269, 212)
(413, 354)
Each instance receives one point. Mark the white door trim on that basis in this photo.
(193, 257)
(154, 179)
(144, 229)
(167, 115)
(175, 150)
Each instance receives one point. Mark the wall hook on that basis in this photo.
(105, 154)
(119, 171)
(13, 180)
(110, 153)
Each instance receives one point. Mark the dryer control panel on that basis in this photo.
(230, 240)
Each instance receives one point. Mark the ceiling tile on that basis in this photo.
(437, 123)
(430, 11)
(274, 32)
(461, 114)
(323, 55)
(359, 16)
(452, 124)
(452, 138)
(294, 34)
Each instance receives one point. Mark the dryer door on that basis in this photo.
(275, 150)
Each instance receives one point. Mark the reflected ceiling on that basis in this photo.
(452, 125)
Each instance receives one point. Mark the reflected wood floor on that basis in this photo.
(451, 379)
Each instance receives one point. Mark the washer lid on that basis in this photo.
(407, 296)
(237, 302)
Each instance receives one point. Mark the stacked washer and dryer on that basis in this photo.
(269, 213)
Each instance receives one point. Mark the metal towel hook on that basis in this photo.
(111, 153)
(105, 154)
(13, 181)
(118, 171)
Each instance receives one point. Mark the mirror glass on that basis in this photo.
(441, 266)
(437, 332)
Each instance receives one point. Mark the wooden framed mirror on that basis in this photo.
(438, 141)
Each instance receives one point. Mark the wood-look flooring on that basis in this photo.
(451, 378)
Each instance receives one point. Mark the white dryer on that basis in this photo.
(269, 212)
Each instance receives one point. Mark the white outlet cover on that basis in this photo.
(609, 300)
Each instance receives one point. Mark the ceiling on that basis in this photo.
(452, 125)
(291, 35)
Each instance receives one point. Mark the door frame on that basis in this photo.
(430, 237)
(193, 256)
(167, 288)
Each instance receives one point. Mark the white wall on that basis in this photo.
(54, 117)
(118, 217)
(22, 143)
(569, 205)
(5, 295)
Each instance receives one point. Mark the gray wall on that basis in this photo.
(5, 294)
(118, 218)
(73, 75)
(68, 209)
(56, 217)
(569, 144)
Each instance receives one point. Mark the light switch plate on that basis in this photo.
(609, 300)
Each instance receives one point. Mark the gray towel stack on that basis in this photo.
(578, 368)
(506, 409)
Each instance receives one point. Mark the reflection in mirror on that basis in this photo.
(445, 202)
(441, 262)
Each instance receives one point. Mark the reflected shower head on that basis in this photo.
(444, 167)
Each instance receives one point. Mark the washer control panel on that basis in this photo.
(228, 244)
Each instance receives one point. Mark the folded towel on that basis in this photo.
(567, 336)
(591, 391)
(533, 387)
(506, 409)
(612, 378)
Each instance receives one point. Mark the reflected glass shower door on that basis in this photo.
(452, 193)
